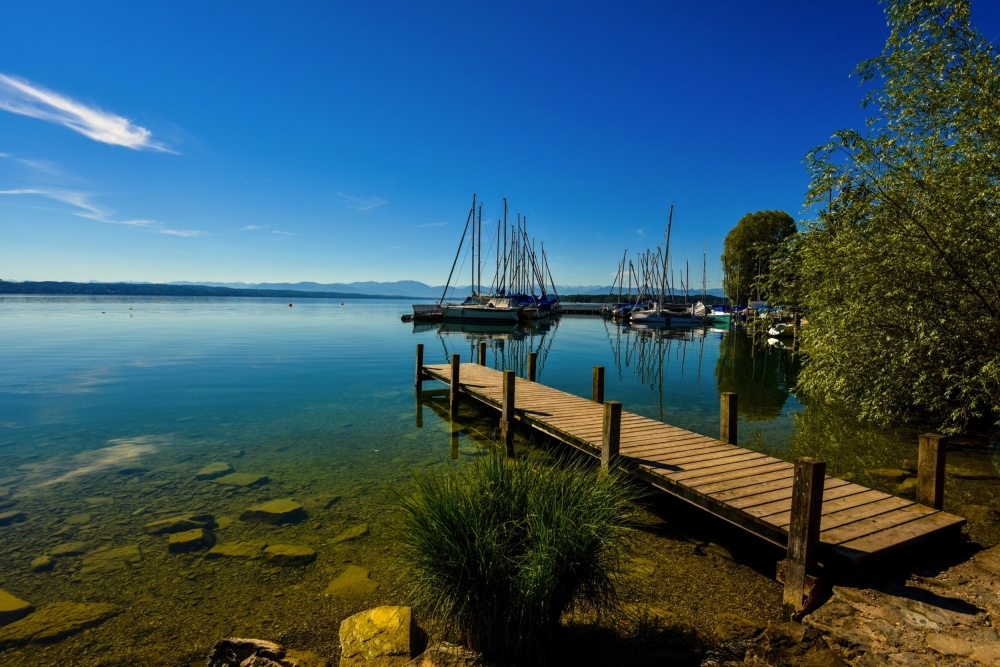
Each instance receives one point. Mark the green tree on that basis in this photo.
(746, 257)
(899, 268)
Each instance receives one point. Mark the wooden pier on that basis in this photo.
(841, 524)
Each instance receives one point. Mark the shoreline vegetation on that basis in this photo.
(53, 288)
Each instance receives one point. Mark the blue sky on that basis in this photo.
(343, 141)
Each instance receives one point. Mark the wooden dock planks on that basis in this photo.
(747, 488)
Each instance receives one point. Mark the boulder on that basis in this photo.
(213, 470)
(105, 559)
(284, 510)
(447, 655)
(191, 540)
(988, 560)
(894, 474)
(965, 472)
(70, 549)
(242, 479)
(43, 563)
(176, 524)
(353, 583)
(907, 487)
(352, 533)
(56, 621)
(379, 637)
(78, 519)
(237, 550)
(289, 555)
(11, 516)
(12, 608)
(235, 651)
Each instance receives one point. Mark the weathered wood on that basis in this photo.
(803, 533)
(532, 366)
(729, 418)
(455, 385)
(482, 353)
(930, 470)
(418, 377)
(453, 440)
(598, 384)
(507, 412)
(420, 408)
(611, 436)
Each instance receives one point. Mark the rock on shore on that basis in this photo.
(379, 637)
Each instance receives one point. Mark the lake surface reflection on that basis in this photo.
(110, 408)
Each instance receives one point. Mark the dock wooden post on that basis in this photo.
(507, 412)
(598, 384)
(532, 366)
(482, 353)
(930, 470)
(418, 378)
(611, 434)
(453, 439)
(453, 395)
(803, 532)
(729, 417)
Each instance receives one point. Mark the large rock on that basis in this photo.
(213, 470)
(11, 516)
(352, 533)
(284, 510)
(235, 651)
(177, 524)
(191, 540)
(70, 549)
(289, 555)
(43, 563)
(379, 637)
(78, 519)
(989, 560)
(12, 608)
(353, 583)
(237, 550)
(242, 479)
(55, 621)
(965, 472)
(104, 559)
(448, 655)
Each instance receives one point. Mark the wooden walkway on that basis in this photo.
(746, 488)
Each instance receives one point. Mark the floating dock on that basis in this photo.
(749, 489)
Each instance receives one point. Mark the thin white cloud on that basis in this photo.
(359, 204)
(278, 231)
(179, 232)
(640, 232)
(251, 227)
(27, 99)
(393, 247)
(433, 224)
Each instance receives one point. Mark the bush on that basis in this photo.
(496, 552)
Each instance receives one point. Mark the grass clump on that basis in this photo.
(497, 551)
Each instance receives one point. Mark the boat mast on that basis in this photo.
(666, 253)
(472, 212)
(479, 260)
(472, 264)
(704, 274)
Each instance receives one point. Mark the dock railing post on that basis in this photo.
(418, 378)
(611, 434)
(729, 418)
(507, 412)
(532, 366)
(803, 532)
(930, 470)
(598, 384)
(482, 353)
(453, 395)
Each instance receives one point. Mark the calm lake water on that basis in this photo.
(110, 407)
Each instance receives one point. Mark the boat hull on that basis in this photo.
(478, 314)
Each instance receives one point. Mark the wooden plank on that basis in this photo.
(663, 451)
(875, 524)
(901, 535)
(867, 496)
(744, 476)
(761, 479)
(836, 493)
(736, 462)
(836, 520)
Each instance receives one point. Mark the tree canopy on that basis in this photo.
(900, 266)
(747, 253)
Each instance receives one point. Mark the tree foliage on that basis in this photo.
(746, 257)
(900, 268)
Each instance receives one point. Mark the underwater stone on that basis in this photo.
(237, 453)
(13, 608)
(213, 470)
(379, 637)
(70, 549)
(13, 516)
(289, 555)
(352, 533)
(242, 479)
(132, 470)
(964, 472)
(43, 563)
(4, 492)
(191, 540)
(78, 519)
(97, 502)
(284, 510)
(55, 621)
(907, 487)
(353, 583)
(895, 474)
(325, 501)
(979, 513)
(224, 522)
(105, 559)
(237, 550)
(176, 524)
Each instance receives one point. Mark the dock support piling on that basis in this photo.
(507, 412)
(729, 417)
(482, 353)
(532, 366)
(453, 395)
(418, 378)
(803, 532)
(611, 435)
(930, 470)
(598, 388)
(453, 440)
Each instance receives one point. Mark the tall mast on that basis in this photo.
(472, 267)
(472, 213)
(687, 278)
(704, 274)
(479, 260)
(666, 253)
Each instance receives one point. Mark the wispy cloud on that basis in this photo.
(359, 204)
(27, 99)
(278, 231)
(640, 232)
(179, 232)
(393, 247)
(251, 227)
(433, 224)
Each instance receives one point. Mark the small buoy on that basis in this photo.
(289, 305)
(341, 303)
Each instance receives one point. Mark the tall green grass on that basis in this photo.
(495, 552)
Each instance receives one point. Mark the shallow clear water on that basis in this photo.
(109, 408)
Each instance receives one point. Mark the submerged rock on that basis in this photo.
(43, 563)
(105, 559)
(13, 516)
(213, 470)
(242, 479)
(907, 487)
(289, 555)
(237, 550)
(177, 524)
(353, 583)
(55, 621)
(4, 492)
(70, 549)
(99, 502)
(351, 533)
(894, 474)
(234, 651)
(78, 519)
(284, 510)
(324, 501)
(191, 540)
(965, 472)
(379, 637)
(978, 513)
(13, 608)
